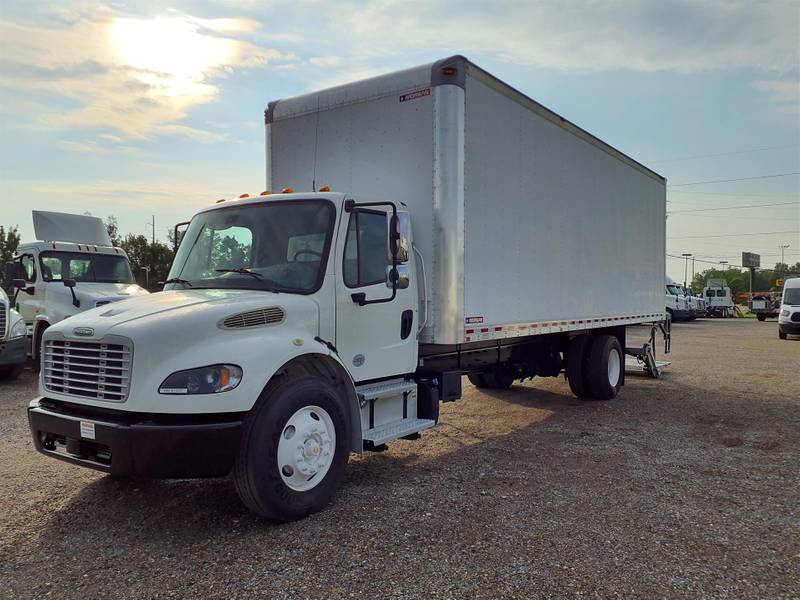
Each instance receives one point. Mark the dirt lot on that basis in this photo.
(684, 487)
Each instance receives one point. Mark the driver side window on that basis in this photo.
(366, 249)
(28, 268)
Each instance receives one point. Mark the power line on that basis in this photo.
(723, 153)
(719, 235)
(672, 212)
(737, 179)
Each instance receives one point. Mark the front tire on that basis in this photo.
(781, 334)
(761, 317)
(294, 449)
(606, 366)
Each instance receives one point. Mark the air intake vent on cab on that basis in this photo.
(254, 318)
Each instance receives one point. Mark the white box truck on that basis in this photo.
(463, 229)
(71, 267)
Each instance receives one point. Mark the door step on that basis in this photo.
(396, 429)
(385, 389)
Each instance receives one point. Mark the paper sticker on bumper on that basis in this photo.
(87, 430)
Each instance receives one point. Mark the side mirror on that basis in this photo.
(70, 283)
(18, 284)
(399, 236)
(397, 276)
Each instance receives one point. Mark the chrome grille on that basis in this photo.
(3, 318)
(97, 370)
(254, 318)
(796, 317)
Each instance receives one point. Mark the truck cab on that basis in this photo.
(13, 339)
(720, 301)
(72, 268)
(677, 303)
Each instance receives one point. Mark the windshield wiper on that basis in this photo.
(178, 280)
(241, 270)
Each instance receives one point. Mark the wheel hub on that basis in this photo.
(306, 448)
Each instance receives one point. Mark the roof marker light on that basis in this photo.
(449, 71)
(265, 193)
(244, 196)
(325, 188)
(220, 200)
(287, 191)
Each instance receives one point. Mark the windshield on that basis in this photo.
(673, 289)
(279, 246)
(88, 268)
(792, 296)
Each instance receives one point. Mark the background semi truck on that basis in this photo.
(719, 297)
(72, 267)
(445, 224)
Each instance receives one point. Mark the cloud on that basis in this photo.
(783, 93)
(683, 36)
(136, 78)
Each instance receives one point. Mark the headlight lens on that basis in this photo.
(203, 380)
(18, 330)
(784, 313)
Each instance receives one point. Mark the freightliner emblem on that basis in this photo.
(83, 331)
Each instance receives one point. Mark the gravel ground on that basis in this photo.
(688, 486)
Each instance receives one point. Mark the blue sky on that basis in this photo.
(139, 109)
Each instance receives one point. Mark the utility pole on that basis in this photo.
(686, 256)
(783, 247)
(692, 273)
(153, 225)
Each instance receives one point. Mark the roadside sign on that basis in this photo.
(779, 282)
(750, 259)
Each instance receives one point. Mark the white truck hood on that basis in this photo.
(185, 313)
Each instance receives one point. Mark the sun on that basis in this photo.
(172, 54)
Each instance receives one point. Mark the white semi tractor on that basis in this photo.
(720, 298)
(71, 268)
(457, 220)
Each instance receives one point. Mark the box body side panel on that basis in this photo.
(555, 227)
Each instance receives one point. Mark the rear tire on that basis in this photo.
(297, 432)
(606, 367)
(477, 380)
(761, 317)
(577, 355)
(499, 379)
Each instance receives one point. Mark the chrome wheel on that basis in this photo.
(306, 448)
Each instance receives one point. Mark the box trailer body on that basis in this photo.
(527, 223)
(468, 231)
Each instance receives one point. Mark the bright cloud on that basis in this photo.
(137, 77)
(683, 36)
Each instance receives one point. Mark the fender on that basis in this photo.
(328, 364)
(40, 324)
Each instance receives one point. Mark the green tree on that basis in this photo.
(9, 240)
(112, 227)
(143, 253)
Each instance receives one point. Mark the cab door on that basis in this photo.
(29, 298)
(376, 337)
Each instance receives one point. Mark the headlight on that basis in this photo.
(784, 313)
(204, 380)
(18, 330)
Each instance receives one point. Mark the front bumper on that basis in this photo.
(13, 352)
(140, 444)
(789, 328)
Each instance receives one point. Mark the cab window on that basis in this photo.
(28, 268)
(365, 251)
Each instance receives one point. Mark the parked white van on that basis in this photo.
(789, 317)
